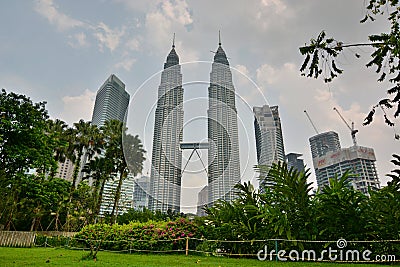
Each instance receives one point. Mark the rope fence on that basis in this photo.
(356, 251)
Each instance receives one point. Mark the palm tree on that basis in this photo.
(125, 150)
(99, 170)
(340, 209)
(57, 130)
(88, 142)
(287, 203)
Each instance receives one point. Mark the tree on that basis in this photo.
(24, 145)
(287, 203)
(23, 142)
(321, 53)
(99, 170)
(40, 199)
(382, 220)
(88, 142)
(126, 152)
(340, 210)
(56, 129)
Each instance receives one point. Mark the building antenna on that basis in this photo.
(173, 41)
(219, 37)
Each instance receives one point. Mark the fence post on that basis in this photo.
(187, 246)
(276, 250)
(45, 242)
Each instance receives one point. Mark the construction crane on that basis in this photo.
(315, 128)
(352, 130)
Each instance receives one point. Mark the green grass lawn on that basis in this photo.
(64, 257)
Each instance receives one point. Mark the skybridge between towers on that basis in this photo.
(194, 146)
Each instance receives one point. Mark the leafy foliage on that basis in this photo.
(340, 210)
(24, 144)
(151, 235)
(146, 215)
(31, 142)
(126, 153)
(322, 52)
(287, 209)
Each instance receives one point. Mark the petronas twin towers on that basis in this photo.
(223, 143)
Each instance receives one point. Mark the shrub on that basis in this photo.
(151, 235)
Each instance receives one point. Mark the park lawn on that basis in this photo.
(65, 257)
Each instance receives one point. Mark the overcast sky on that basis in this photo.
(62, 51)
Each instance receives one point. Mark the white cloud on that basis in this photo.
(270, 13)
(277, 5)
(78, 40)
(267, 74)
(126, 63)
(133, 44)
(241, 75)
(186, 53)
(158, 28)
(78, 107)
(243, 69)
(63, 22)
(162, 21)
(108, 37)
(177, 11)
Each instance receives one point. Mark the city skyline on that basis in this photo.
(49, 46)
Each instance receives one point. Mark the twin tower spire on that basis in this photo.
(223, 144)
(219, 57)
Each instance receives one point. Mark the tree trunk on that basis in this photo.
(77, 169)
(100, 199)
(14, 203)
(116, 199)
(73, 187)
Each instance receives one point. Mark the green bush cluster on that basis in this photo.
(151, 235)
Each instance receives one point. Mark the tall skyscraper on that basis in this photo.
(140, 193)
(268, 132)
(202, 200)
(294, 161)
(126, 199)
(65, 170)
(111, 102)
(269, 138)
(323, 143)
(359, 160)
(223, 155)
(165, 179)
(329, 159)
